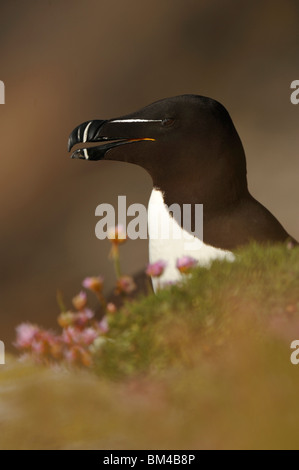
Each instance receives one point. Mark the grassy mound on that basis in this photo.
(183, 325)
(201, 365)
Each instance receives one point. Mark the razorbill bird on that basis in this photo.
(191, 149)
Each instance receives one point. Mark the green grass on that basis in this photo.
(201, 365)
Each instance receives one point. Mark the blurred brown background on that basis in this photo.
(67, 61)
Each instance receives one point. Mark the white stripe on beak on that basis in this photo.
(86, 131)
(137, 120)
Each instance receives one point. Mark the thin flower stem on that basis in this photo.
(149, 286)
(60, 301)
(102, 300)
(116, 261)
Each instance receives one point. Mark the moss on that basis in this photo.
(162, 330)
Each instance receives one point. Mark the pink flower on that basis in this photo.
(66, 319)
(56, 348)
(80, 301)
(71, 355)
(111, 307)
(78, 355)
(46, 344)
(88, 336)
(38, 347)
(125, 285)
(42, 345)
(186, 264)
(117, 235)
(26, 334)
(46, 336)
(290, 244)
(156, 269)
(93, 283)
(79, 319)
(82, 318)
(103, 325)
(72, 336)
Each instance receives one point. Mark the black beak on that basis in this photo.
(89, 132)
(86, 132)
(93, 131)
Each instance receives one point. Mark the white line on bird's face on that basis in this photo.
(137, 120)
(86, 131)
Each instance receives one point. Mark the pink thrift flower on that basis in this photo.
(46, 336)
(111, 307)
(73, 336)
(93, 283)
(26, 334)
(71, 355)
(42, 345)
(290, 245)
(125, 285)
(56, 348)
(88, 336)
(45, 344)
(79, 356)
(156, 269)
(103, 325)
(39, 347)
(66, 319)
(117, 235)
(82, 318)
(70, 335)
(185, 264)
(80, 301)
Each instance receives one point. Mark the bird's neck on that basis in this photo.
(217, 184)
(215, 196)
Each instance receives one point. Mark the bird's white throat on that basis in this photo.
(174, 247)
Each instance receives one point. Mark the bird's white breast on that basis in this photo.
(178, 242)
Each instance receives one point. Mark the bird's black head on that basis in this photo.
(186, 140)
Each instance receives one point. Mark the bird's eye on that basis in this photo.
(167, 122)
